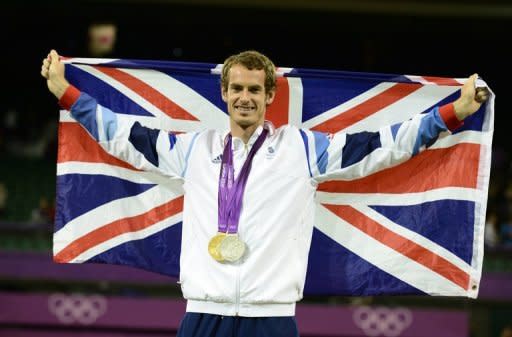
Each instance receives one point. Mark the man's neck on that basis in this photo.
(243, 133)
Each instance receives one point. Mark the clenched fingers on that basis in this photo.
(44, 68)
(481, 94)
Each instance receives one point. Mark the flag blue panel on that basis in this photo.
(435, 221)
(159, 252)
(90, 191)
(104, 93)
(327, 272)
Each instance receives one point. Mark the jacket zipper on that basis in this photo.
(237, 294)
(237, 288)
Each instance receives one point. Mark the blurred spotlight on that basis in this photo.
(102, 39)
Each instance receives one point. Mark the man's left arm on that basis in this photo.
(351, 156)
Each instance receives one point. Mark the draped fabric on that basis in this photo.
(416, 228)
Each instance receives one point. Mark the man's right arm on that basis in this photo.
(144, 148)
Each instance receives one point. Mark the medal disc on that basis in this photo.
(213, 246)
(231, 248)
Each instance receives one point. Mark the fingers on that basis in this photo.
(45, 67)
(44, 72)
(51, 58)
(482, 94)
(54, 56)
(471, 84)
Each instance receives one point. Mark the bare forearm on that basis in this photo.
(53, 70)
(58, 87)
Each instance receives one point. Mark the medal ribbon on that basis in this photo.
(231, 191)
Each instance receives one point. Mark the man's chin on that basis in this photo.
(245, 122)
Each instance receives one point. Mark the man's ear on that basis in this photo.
(270, 96)
(224, 94)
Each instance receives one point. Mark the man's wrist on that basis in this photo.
(58, 88)
(69, 97)
(458, 108)
(449, 116)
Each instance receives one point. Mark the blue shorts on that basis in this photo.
(208, 325)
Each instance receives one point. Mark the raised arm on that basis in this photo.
(351, 156)
(144, 148)
(53, 70)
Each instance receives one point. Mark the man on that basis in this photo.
(249, 192)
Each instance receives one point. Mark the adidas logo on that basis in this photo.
(217, 159)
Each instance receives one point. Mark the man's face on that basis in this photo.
(246, 97)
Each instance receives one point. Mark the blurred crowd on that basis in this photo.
(28, 139)
(498, 228)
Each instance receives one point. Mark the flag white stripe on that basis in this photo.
(280, 71)
(99, 121)
(399, 199)
(295, 101)
(139, 177)
(93, 61)
(473, 137)
(481, 208)
(423, 80)
(65, 117)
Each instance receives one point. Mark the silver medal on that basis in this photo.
(231, 248)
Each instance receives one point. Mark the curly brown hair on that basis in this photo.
(250, 59)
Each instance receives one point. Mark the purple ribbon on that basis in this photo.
(231, 191)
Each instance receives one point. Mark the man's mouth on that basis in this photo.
(244, 108)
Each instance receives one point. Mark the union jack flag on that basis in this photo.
(416, 228)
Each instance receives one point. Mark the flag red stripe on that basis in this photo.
(402, 245)
(367, 108)
(75, 144)
(149, 93)
(277, 112)
(119, 227)
(442, 80)
(456, 166)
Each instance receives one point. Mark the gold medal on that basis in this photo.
(213, 246)
(231, 248)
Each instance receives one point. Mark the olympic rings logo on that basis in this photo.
(77, 308)
(382, 321)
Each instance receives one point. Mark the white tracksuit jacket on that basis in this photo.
(277, 215)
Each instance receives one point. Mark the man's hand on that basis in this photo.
(53, 70)
(470, 98)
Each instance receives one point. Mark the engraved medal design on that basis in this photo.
(232, 248)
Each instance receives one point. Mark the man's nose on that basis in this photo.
(244, 96)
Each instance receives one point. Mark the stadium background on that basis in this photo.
(427, 37)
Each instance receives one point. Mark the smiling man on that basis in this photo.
(247, 90)
(249, 191)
